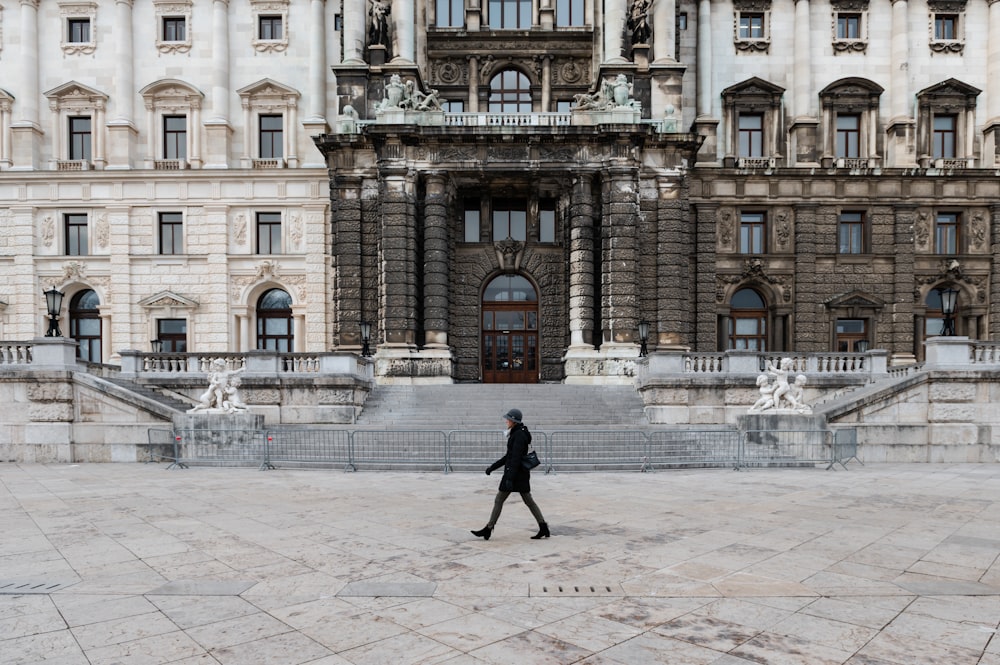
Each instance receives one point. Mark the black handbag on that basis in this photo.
(530, 460)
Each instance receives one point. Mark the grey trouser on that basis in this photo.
(528, 501)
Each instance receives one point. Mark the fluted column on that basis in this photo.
(436, 261)
(581, 262)
(27, 64)
(664, 34)
(124, 92)
(704, 58)
(899, 89)
(220, 60)
(404, 24)
(614, 30)
(316, 99)
(355, 28)
(802, 71)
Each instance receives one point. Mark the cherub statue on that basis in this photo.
(219, 380)
(766, 399)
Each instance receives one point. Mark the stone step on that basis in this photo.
(481, 406)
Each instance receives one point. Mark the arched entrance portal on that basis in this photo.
(510, 331)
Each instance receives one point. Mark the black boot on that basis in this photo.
(484, 533)
(543, 531)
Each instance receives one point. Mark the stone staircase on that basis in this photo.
(478, 406)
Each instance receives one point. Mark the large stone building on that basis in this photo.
(504, 192)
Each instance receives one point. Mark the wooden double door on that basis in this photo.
(509, 324)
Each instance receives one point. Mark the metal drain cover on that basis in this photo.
(23, 587)
(576, 590)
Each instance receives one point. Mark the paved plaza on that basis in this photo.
(128, 564)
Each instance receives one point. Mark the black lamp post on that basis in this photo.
(643, 337)
(949, 297)
(53, 303)
(156, 345)
(366, 337)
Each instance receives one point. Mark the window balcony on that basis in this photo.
(73, 165)
(170, 164)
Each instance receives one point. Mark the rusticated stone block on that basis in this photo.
(50, 412)
(952, 392)
(50, 392)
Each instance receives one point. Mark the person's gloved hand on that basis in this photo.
(488, 471)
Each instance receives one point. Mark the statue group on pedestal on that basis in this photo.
(407, 96)
(613, 94)
(223, 394)
(777, 393)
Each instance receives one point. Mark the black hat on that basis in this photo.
(513, 414)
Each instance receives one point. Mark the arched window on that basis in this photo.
(748, 321)
(85, 325)
(510, 92)
(274, 321)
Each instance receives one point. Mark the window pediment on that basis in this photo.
(77, 96)
(168, 300)
(855, 299)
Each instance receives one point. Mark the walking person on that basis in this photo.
(516, 477)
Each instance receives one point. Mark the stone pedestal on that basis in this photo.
(775, 435)
(215, 436)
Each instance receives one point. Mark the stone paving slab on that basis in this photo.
(127, 564)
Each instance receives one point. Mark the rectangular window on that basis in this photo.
(510, 220)
(510, 14)
(453, 106)
(175, 137)
(569, 13)
(944, 137)
(472, 220)
(78, 31)
(76, 235)
(268, 232)
(945, 26)
(848, 333)
(851, 231)
(271, 137)
(848, 26)
(751, 131)
(174, 29)
(79, 138)
(450, 13)
(173, 334)
(753, 233)
(751, 25)
(848, 135)
(547, 220)
(946, 233)
(171, 233)
(269, 27)
(682, 21)
(564, 105)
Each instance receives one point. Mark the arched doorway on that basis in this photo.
(85, 325)
(747, 322)
(275, 331)
(509, 331)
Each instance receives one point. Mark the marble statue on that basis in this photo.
(222, 395)
(778, 393)
(400, 95)
(613, 94)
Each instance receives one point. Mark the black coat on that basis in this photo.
(515, 477)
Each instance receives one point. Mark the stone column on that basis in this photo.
(899, 328)
(403, 25)
(615, 12)
(397, 259)
(473, 84)
(664, 34)
(706, 337)
(348, 270)
(122, 133)
(316, 99)
(802, 71)
(547, 84)
(26, 133)
(705, 124)
(993, 331)
(809, 317)
(437, 258)
(581, 262)
(619, 256)
(355, 22)
(991, 130)
(901, 146)
(217, 126)
(674, 246)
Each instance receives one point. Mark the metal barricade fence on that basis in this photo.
(692, 448)
(309, 447)
(220, 447)
(161, 445)
(845, 446)
(390, 449)
(474, 450)
(787, 448)
(596, 450)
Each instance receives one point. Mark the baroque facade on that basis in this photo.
(512, 191)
